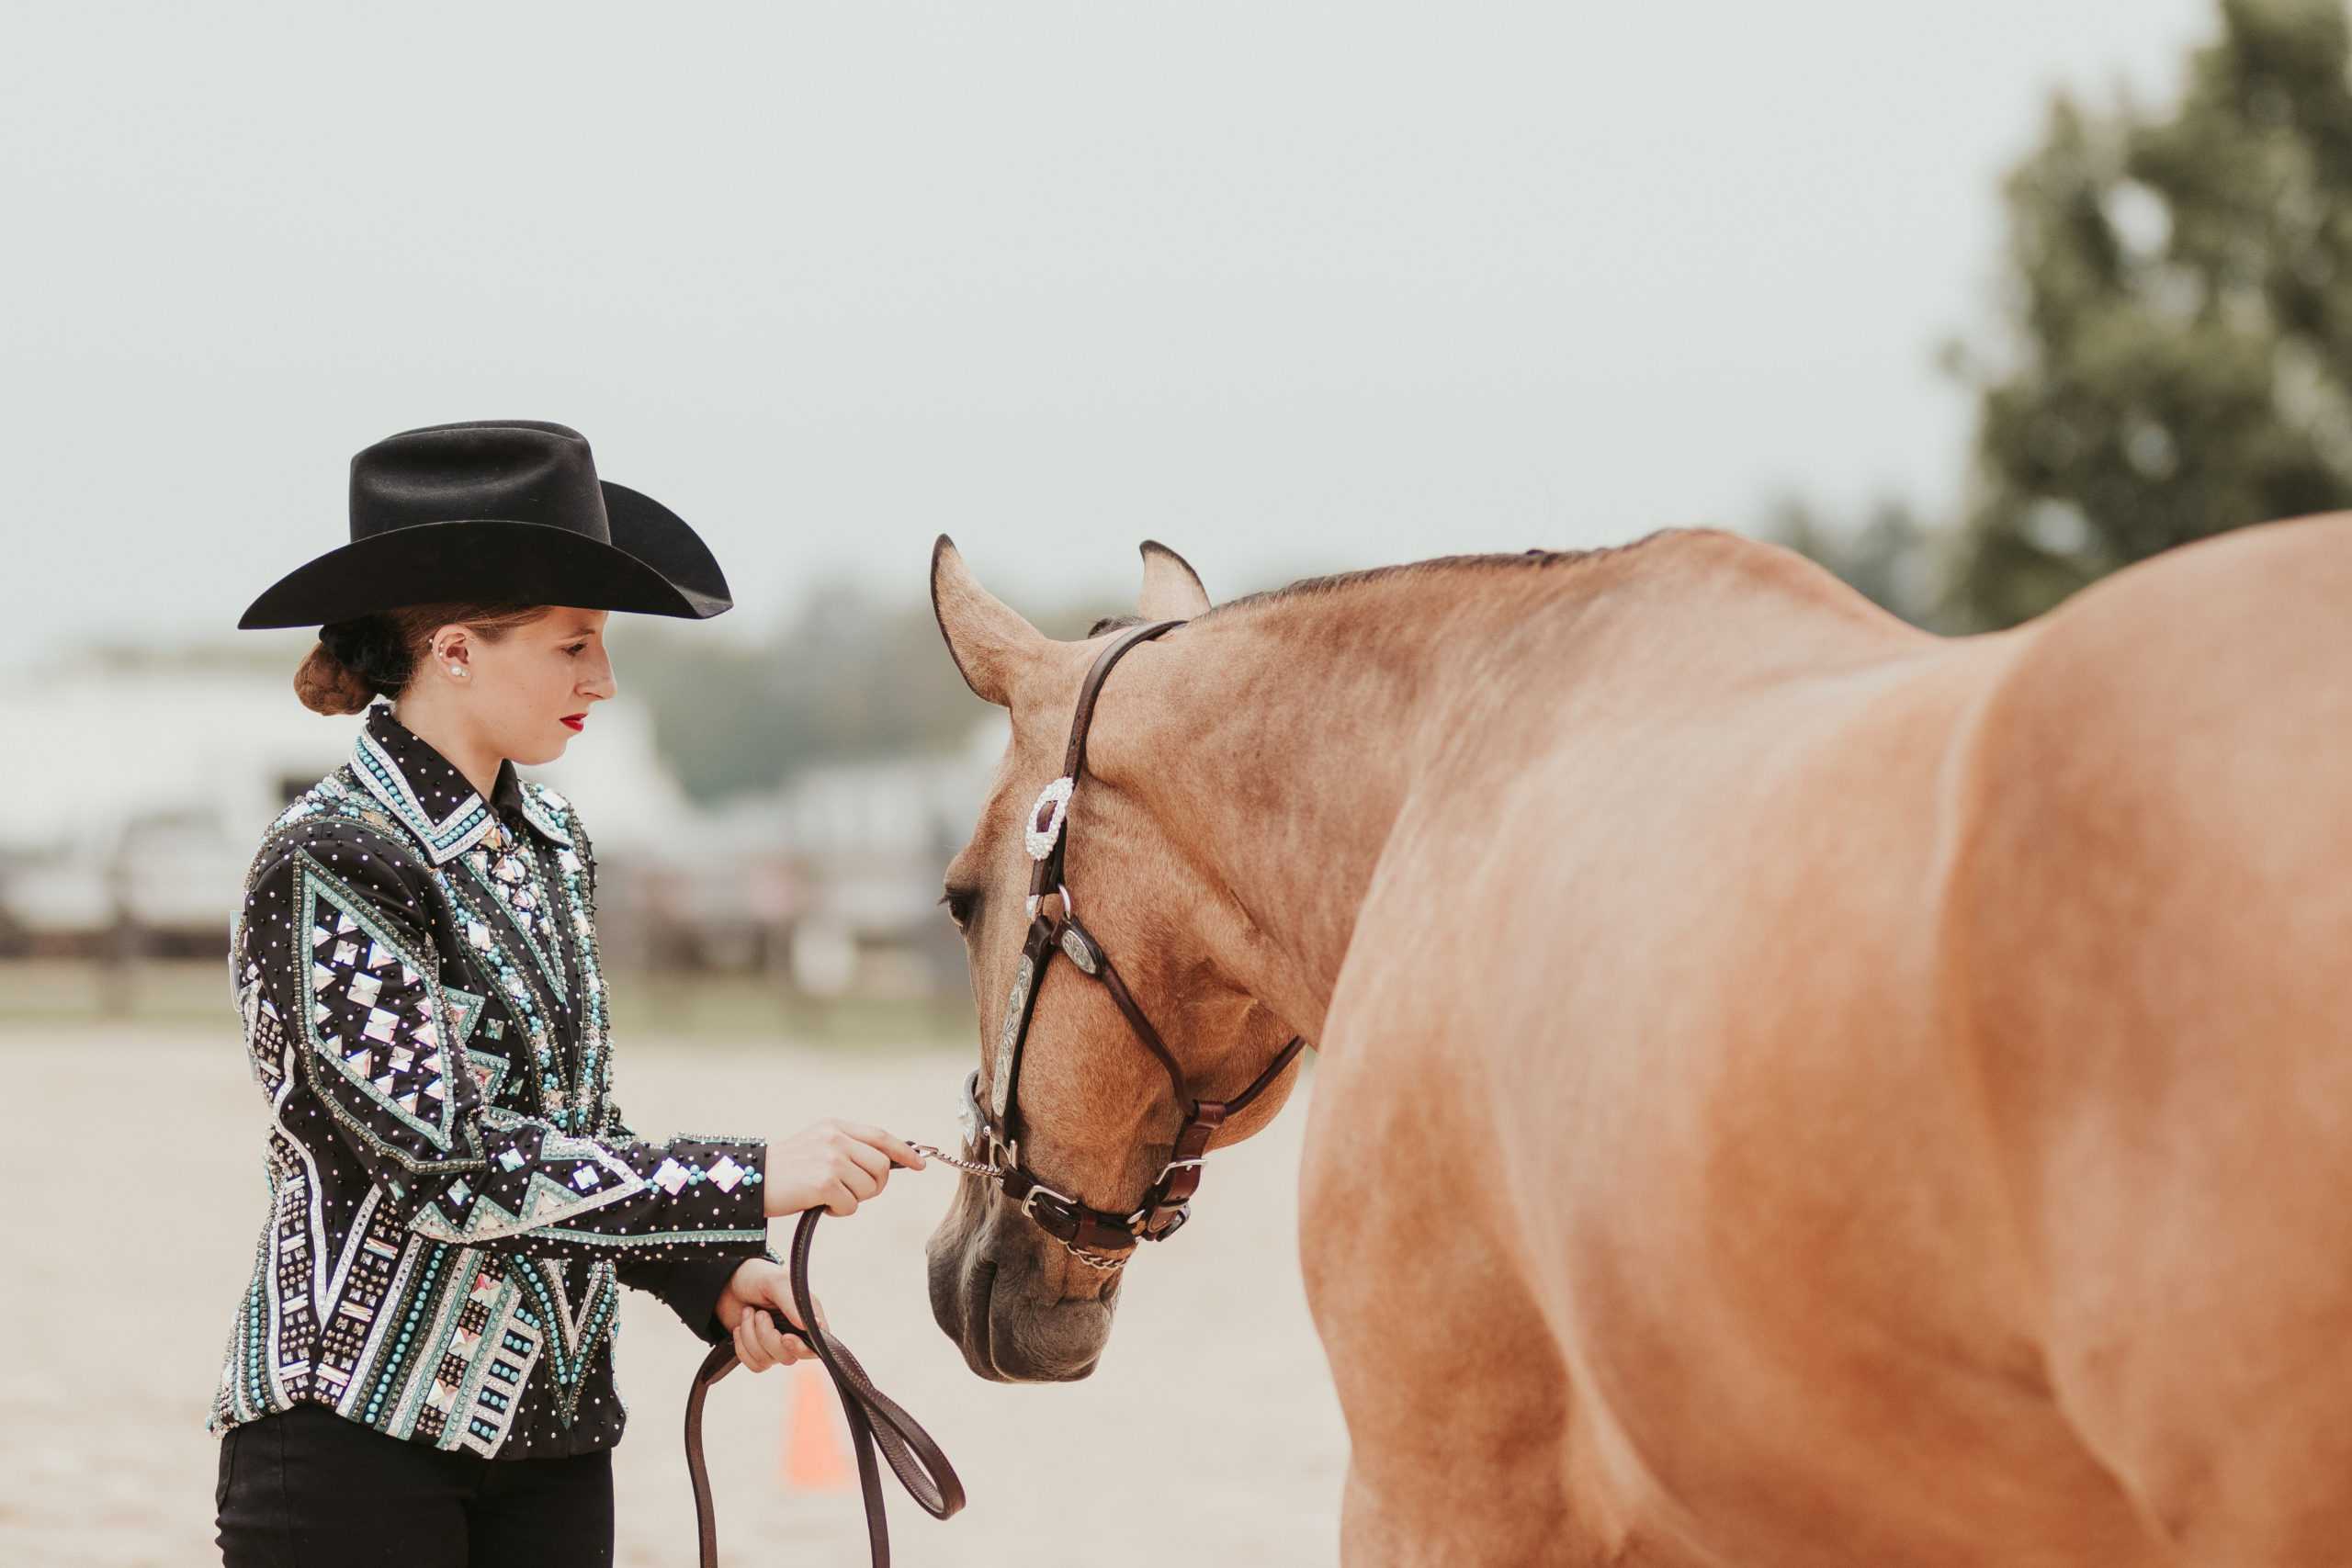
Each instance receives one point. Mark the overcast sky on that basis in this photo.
(1289, 287)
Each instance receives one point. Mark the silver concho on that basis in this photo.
(1001, 1089)
(1044, 824)
(1074, 945)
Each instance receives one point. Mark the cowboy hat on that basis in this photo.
(506, 510)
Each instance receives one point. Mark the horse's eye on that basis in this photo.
(960, 902)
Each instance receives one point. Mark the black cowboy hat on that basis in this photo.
(508, 510)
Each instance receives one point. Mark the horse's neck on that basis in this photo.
(1288, 739)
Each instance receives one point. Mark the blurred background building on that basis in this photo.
(130, 844)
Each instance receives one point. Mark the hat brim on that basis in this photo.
(656, 565)
(652, 532)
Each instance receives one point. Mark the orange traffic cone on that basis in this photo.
(816, 1446)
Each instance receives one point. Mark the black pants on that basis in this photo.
(308, 1488)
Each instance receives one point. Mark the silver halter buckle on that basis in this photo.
(1039, 1191)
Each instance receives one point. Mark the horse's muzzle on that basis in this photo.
(990, 1305)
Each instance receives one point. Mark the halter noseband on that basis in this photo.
(1089, 1234)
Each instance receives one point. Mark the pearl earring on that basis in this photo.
(459, 671)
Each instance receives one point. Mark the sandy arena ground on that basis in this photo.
(1209, 1434)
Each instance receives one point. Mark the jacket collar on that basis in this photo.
(430, 797)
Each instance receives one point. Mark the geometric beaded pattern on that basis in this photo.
(442, 839)
(563, 1180)
(579, 1330)
(359, 1308)
(545, 810)
(513, 879)
(369, 1010)
(521, 982)
(455, 1198)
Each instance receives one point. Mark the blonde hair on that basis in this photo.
(357, 661)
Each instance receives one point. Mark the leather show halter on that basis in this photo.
(874, 1421)
(1099, 1238)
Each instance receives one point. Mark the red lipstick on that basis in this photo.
(576, 721)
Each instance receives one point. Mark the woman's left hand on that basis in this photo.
(759, 1344)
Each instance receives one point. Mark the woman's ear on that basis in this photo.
(450, 651)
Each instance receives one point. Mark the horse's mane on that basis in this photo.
(1340, 583)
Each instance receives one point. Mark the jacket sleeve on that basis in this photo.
(688, 1283)
(348, 958)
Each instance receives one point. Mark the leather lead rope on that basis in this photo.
(874, 1421)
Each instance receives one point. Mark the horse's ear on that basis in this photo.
(987, 637)
(1171, 589)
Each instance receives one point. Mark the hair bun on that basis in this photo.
(354, 661)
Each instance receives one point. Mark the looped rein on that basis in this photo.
(875, 1419)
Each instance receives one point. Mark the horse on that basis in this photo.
(1791, 1087)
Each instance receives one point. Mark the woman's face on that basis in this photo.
(533, 687)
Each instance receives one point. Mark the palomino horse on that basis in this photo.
(1792, 1090)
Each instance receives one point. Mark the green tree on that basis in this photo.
(2175, 351)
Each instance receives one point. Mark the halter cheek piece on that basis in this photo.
(1097, 1238)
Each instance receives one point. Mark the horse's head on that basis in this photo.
(1095, 1113)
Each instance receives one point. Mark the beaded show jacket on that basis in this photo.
(453, 1195)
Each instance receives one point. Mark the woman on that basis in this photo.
(420, 1370)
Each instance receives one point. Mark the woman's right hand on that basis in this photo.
(835, 1163)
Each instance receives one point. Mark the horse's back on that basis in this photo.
(1940, 1048)
(1672, 964)
(2150, 922)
